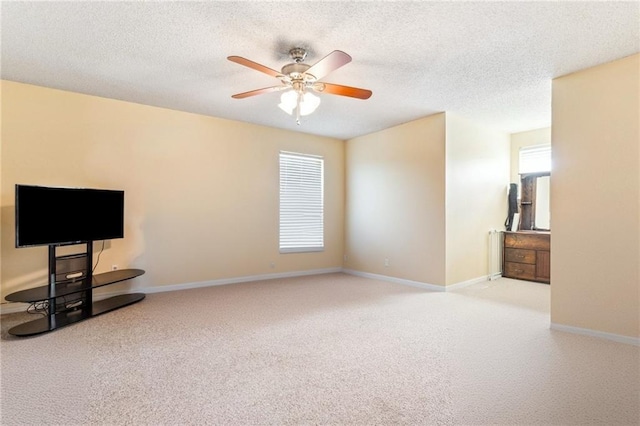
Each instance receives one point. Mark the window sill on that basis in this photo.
(301, 250)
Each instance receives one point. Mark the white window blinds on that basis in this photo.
(301, 202)
(535, 158)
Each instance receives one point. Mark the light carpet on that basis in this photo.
(319, 350)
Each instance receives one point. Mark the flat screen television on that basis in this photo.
(60, 216)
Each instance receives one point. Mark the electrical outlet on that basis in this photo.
(114, 267)
(346, 258)
(272, 265)
(386, 263)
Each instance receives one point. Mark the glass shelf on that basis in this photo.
(63, 289)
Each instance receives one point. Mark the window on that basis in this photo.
(301, 202)
(535, 172)
(535, 159)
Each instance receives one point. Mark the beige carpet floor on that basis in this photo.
(331, 349)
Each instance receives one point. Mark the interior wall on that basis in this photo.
(477, 182)
(595, 191)
(201, 193)
(395, 201)
(1, 198)
(522, 139)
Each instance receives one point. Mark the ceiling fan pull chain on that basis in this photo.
(298, 108)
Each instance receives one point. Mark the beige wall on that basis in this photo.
(396, 201)
(1, 209)
(522, 139)
(477, 180)
(424, 195)
(201, 193)
(595, 192)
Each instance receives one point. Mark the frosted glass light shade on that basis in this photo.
(289, 101)
(309, 103)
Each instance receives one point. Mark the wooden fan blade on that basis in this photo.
(336, 89)
(259, 92)
(331, 62)
(254, 65)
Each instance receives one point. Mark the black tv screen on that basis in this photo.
(58, 216)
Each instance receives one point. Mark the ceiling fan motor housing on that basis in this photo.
(295, 70)
(298, 54)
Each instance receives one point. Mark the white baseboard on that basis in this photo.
(225, 281)
(462, 284)
(594, 333)
(496, 276)
(13, 307)
(9, 308)
(426, 286)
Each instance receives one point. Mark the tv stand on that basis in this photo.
(68, 298)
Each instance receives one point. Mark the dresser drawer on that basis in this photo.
(527, 240)
(520, 270)
(519, 255)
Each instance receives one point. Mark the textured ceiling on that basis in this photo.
(489, 61)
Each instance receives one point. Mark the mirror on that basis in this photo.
(535, 202)
(542, 209)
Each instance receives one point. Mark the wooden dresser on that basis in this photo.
(526, 256)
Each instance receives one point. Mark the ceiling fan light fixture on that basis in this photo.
(306, 102)
(298, 79)
(288, 101)
(309, 103)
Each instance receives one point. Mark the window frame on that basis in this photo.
(528, 154)
(312, 168)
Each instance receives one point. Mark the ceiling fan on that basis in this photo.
(299, 80)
